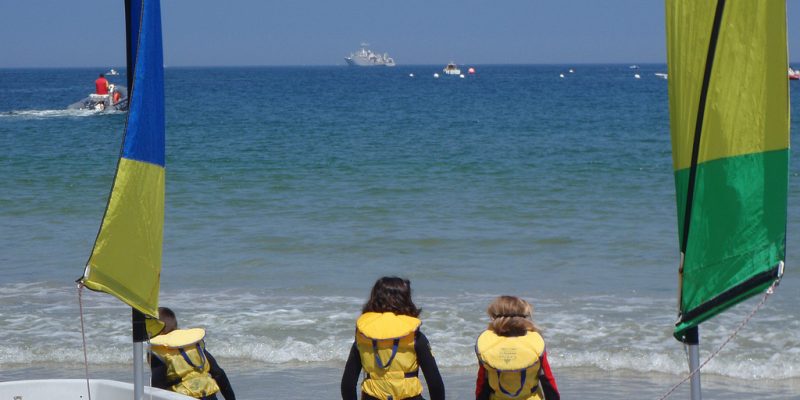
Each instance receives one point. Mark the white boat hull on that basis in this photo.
(367, 58)
(362, 62)
(75, 389)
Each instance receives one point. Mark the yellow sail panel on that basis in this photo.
(747, 90)
(126, 260)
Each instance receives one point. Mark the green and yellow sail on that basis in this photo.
(126, 258)
(729, 117)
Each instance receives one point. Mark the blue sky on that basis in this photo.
(57, 33)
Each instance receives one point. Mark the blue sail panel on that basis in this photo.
(144, 137)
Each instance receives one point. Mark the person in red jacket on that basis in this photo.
(101, 85)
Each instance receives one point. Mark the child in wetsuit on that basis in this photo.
(199, 376)
(511, 355)
(390, 348)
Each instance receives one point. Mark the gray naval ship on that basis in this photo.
(365, 57)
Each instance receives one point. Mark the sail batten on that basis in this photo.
(729, 117)
(126, 258)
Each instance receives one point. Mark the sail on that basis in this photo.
(729, 117)
(126, 258)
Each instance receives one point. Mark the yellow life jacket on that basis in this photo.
(183, 352)
(512, 364)
(386, 344)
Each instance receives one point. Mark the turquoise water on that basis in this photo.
(290, 190)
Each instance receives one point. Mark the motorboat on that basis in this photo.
(452, 69)
(112, 72)
(115, 100)
(794, 74)
(662, 75)
(365, 57)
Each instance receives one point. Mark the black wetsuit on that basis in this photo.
(426, 362)
(158, 371)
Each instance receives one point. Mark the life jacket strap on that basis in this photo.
(378, 362)
(189, 361)
(365, 396)
(523, 377)
(412, 374)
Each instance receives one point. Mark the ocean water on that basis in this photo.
(291, 190)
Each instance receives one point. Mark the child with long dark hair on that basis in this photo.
(511, 355)
(390, 348)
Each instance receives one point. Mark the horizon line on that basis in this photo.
(166, 66)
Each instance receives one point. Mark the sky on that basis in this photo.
(84, 33)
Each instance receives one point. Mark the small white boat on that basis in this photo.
(112, 72)
(662, 75)
(451, 69)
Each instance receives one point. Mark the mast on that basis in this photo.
(138, 331)
(130, 58)
(139, 336)
(692, 337)
(692, 340)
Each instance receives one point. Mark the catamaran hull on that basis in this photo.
(75, 389)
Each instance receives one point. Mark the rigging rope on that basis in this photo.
(83, 336)
(760, 304)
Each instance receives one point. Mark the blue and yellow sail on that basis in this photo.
(126, 258)
(729, 117)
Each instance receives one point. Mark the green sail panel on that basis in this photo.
(729, 117)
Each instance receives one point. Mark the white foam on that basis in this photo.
(41, 325)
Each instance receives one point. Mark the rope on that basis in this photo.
(760, 304)
(83, 336)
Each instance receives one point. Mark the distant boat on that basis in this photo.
(365, 57)
(662, 75)
(112, 72)
(634, 66)
(794, 74)
(451, 69)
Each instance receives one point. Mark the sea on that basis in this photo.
(291, 190)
